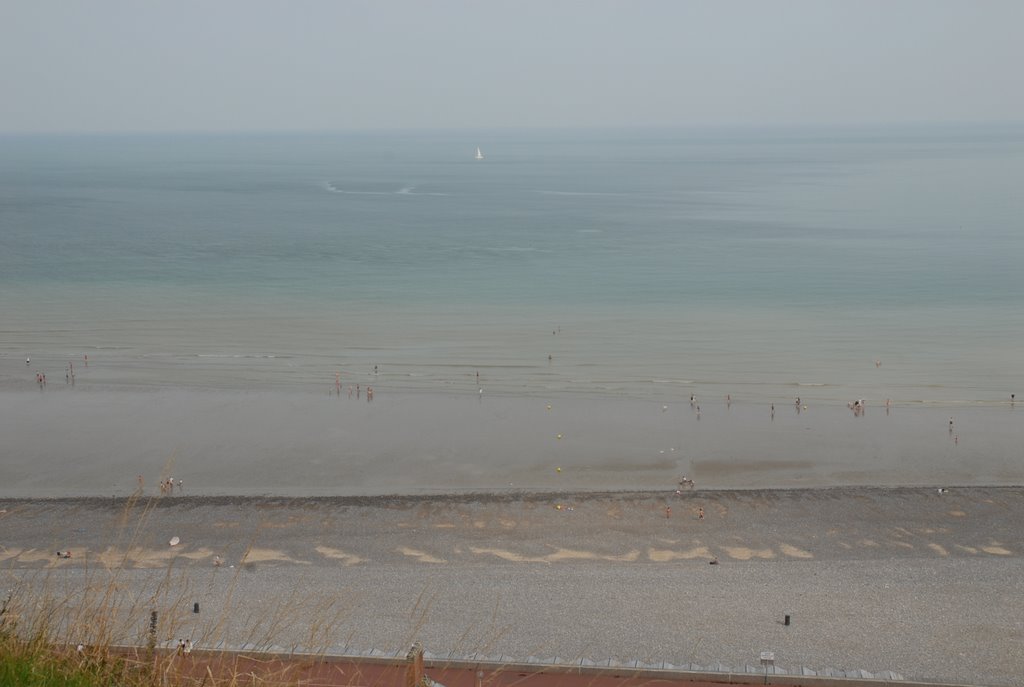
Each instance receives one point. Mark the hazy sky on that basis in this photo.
(247, 65)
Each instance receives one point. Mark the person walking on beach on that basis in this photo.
(668, 512)
(700, 513)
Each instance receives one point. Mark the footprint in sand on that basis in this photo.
(794, 552)
(421, 556)
(742, 553)
(665, 555)
(338, 554)
(255, 555)
(559, 555)
(996, 548)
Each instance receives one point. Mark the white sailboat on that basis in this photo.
(479, 155)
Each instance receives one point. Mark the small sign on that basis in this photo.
(767, 657)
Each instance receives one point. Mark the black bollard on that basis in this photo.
(786, 621)
(151, 639)
(195, 607)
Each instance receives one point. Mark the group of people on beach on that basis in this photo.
(356, 390)
(167, 485)
(69, 372)
(860, 404)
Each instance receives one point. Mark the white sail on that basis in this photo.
(479, 155)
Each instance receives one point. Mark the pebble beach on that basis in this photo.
(924, 583)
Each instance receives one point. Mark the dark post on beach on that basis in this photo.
(151, 640)
(195, 609)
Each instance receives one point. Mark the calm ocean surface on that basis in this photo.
(762, 264)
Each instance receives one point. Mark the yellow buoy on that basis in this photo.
(558, 469)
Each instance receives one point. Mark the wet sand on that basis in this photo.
(925, 584)
(91, 442)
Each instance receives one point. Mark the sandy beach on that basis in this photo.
(922, 583)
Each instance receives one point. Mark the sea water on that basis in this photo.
(644, 266)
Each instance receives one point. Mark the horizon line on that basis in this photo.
(593, 128)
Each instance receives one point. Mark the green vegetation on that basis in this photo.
(38, 664)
